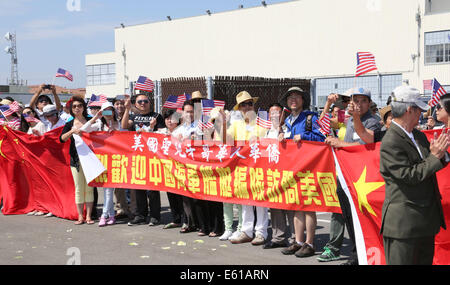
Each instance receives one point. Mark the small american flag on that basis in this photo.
(97, 100)
(324, 124)
(207, 106)
(175, 102)
(262, 120)
(427, 84)
(145, 84)
(8, 110)
(219, 103)
(30, 119)
(365, 63)
(14, 124)
(205, 126)
(438, 91)
(64, 73)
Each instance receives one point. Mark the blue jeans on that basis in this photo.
(108, 204)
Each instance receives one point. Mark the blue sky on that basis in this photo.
(50, 35)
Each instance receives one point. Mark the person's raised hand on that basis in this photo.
(439, 145)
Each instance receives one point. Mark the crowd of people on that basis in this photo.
(355, 120)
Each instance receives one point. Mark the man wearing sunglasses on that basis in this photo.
(39, 101)
(144, 120)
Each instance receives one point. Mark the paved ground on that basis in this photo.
(33, 240)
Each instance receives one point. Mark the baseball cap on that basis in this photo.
(359, 91)
(408, 94)
(49, 110)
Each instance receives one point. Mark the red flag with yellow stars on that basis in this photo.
(359, 167)
(35, 174)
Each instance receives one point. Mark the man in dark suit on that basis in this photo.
(412, 211)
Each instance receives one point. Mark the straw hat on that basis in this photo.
(242, 97)
(197, 95)
(384, 111)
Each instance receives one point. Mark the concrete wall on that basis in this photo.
(306, 39)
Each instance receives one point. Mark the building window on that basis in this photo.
(437, 47)
(101, 74)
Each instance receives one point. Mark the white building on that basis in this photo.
(316, 39)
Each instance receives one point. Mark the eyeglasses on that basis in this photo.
(27, 113)
(143, 102)
(52, 115)
(249, 103)
(77, 106)
(43, 100)
(438, 107)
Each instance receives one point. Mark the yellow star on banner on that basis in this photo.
(1, 153)
(363, 189)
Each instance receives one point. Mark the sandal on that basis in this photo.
(187, 230)
(90, 222)
(213, 234)
(171, 226)
(79, 222)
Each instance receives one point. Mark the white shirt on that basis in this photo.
(49, 127)
(411, 136)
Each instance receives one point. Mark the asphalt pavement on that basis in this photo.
(30, 240)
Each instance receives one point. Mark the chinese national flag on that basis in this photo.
(35, 174)
(366, 186)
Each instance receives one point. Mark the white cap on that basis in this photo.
(408, 94)
(106, 105)
(50, 110)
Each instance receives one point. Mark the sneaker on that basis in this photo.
(270, 244)
(242, 238)
(102, 222)
(39, 213)
(111, 221)
(226, 235)
(49, 215)
(136, 221)
(305, 251)
(328, 255)
(258, 240)
(31, 213)
(234, 235)
(291, 249)
(153, 222)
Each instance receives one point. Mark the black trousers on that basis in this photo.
(176, 207)
(216, 221)
(146, 198)
(347, 215)
(189, 217)
(201, 209)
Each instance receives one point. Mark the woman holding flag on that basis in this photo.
(84, 194)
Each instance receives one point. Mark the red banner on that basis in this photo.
(35, 174)
(367, 188)
(262, 173)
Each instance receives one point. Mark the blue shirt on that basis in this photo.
(298, 127)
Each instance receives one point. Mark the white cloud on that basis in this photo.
(53, 29)
(14, 7)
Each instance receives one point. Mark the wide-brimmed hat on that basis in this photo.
(408, 94)
(5, 102)
(242, 97)
(197, 95)
(384, 111)
(295, 89)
